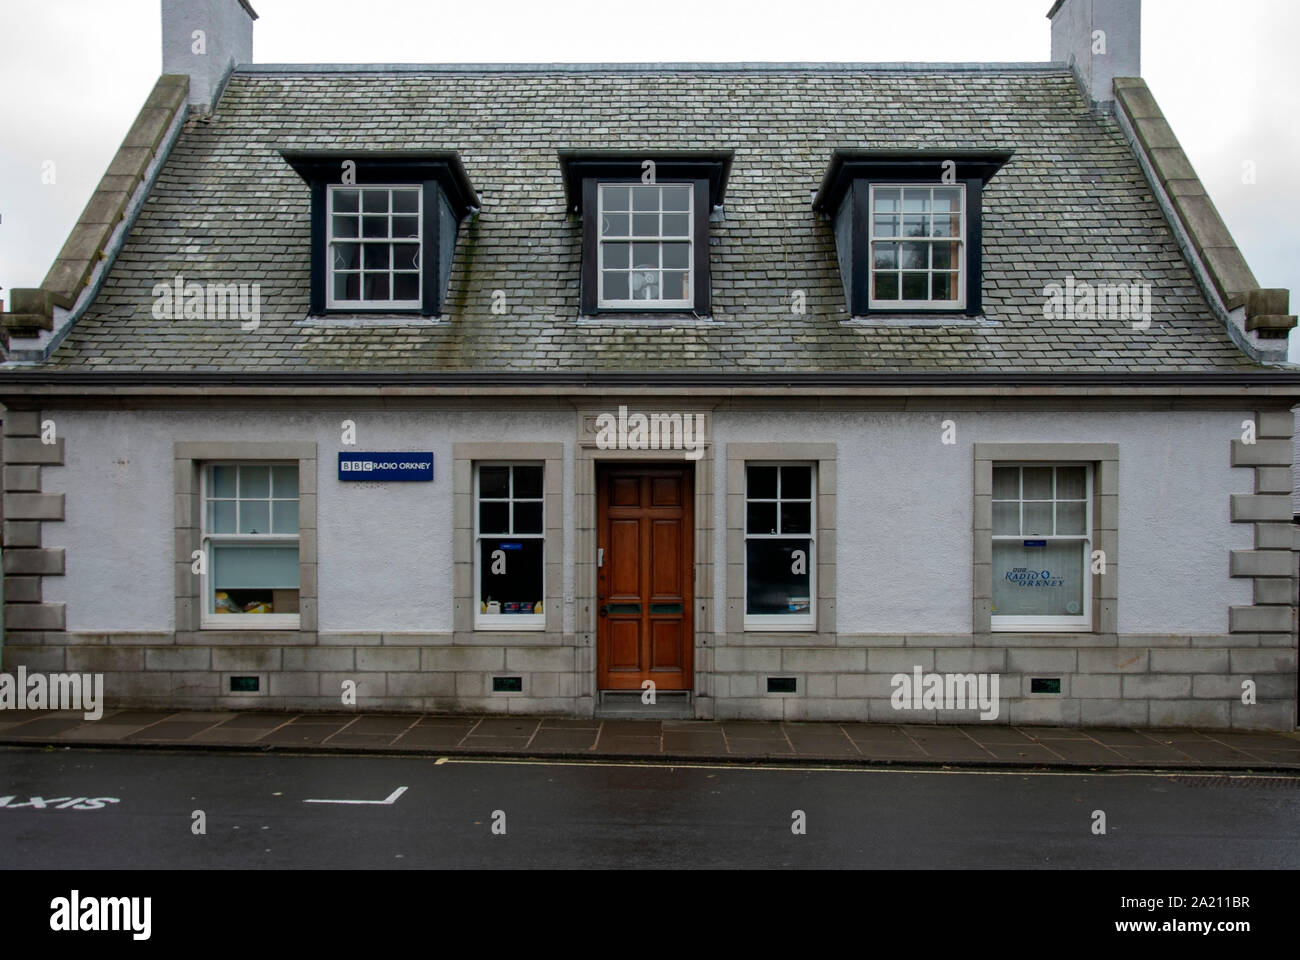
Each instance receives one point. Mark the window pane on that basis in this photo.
(616, 286)
(614, 225)
(677, 225)
(1071, 483)
(617, 255)
(1006, 518)
(645, 198)
(493, 482)
(1070, 518)
(528, 516)
(223, 482)
(943, 286)
(1038, 581)
(946, 199)
(494, 517)
(406, 201)
(374, 226)
(760, 518)
(1006, 483)
(528, 483)
(772, 585)
(345, 201)
(677, 198)
(406, 256)
(221, 516)
(284, 481)
(886, 200)
(916, 200)
(406, 226)
(254, 516)
(796, 483)
(760, 483)
(614, 198)
(345, 226)
(886, 226)
(917, 225)
(347, 286)
(347, 256)
(645, 285)
(677, 256)
(1038, 519)
(284, 516)
(915, 286)
(375, 286)
(1038, 483)
(375, 256)
(915, 256)
(255, 481)
(886, 286)
(645, 225)
(796, 517)
(675, 286)
(511, 581)
(406, 286)
(944, 256)
(243, 568)
(375, 201)
(645, 255)
(886, 257)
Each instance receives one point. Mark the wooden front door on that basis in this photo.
(645, 575)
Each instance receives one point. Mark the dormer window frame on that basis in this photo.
(445, 198)
(586, 172)
(845, 197)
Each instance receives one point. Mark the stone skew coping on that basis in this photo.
(42, 316)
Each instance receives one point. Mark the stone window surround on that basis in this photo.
(464, 456)
(189, 456)
(825, 455)
(586, 456)
(1104, 458)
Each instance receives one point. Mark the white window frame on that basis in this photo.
(390, 304)
(208, 619)
(1062, 624)
(942, 305)
(773, 622)
(686, 303)
(507, 621)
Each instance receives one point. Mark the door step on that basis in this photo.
(668, 705)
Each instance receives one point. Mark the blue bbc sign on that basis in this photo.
(374, 467)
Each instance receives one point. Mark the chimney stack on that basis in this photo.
(203, 39)
(1101, 40)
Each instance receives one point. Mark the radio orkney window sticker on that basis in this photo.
(374, 467)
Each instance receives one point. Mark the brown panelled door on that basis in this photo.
(645, 575)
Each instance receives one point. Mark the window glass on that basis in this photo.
(779, 546)
(917, 234)
(646, 244)
(374, 246)
(510, 552)
(250, 539)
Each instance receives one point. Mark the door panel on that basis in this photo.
(645, 527)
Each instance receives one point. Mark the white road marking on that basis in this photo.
(392, 799)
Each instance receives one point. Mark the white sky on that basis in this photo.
(74, 73)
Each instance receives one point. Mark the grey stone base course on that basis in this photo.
(1106, 680)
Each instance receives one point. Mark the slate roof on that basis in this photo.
(227, 208)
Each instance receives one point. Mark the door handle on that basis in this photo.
(603, 610)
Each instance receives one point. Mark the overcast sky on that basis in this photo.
(74, 73)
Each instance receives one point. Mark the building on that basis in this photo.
(540, 388)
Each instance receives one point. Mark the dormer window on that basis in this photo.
(917, 237)
(646, 245)
(645, 229)
(383, 229)
(907, 230)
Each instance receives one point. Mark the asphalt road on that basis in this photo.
(601, 815)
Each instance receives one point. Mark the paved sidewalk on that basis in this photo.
(688, 740)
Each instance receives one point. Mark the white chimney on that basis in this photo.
(204, 39)
(1101, 39)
